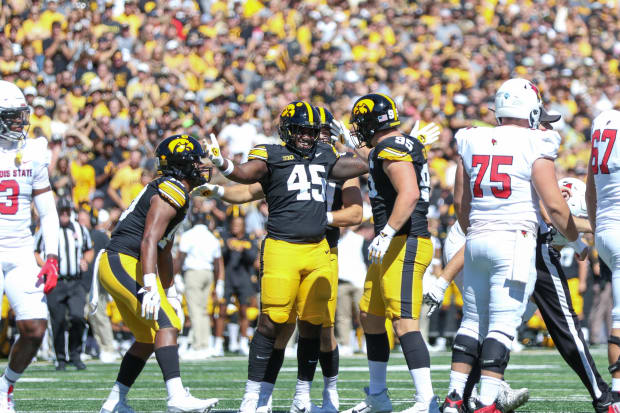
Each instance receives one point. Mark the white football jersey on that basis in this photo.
(16, 185)
(605, 164)
(499, 163)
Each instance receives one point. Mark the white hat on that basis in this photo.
(143, 67)
(30, 90)
(189, 96)
(38, 101)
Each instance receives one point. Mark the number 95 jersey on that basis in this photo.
(294, 189)
(499, 163)
(381, 191)
(17, 181)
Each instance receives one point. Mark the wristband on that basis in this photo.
(330, 218)
(229, 169)
(388, 231)
(150, 280)
(443, 283)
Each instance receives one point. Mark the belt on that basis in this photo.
(69, 277)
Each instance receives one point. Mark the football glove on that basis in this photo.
(434, 289)
(49, 274)
(380, 244)
(428, 135)
(219, 289)
(151, 301)
(209, 190)
(213, 150)
(175, 299)
(341, 134)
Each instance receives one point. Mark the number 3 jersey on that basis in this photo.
(499, 163)
(381, 191)
(17, 181)
(127, 236)
(294, 189)
(605, 168)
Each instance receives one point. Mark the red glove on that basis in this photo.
(49, 274)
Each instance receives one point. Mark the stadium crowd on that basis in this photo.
(107, 80)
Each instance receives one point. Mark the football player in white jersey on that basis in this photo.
(23, 179)
(603, 204)
(497, 209)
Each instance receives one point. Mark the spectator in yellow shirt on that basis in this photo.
(83, 176)
(39, 118)
(127, 181)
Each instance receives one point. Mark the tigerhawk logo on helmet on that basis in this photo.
(372, 113)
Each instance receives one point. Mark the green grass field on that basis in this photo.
(553, 387)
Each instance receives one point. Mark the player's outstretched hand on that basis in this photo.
(434, 289)
(49, 274)
(209, 190)
(151, 301)
(428, 135)
(340, 133)
(212, 148)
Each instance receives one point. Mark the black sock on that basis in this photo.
(472, 380)
(415, 350)
(308, 350)
(378, 347)
(131, 367)
(261, 349)
(330, 361)
(274, 365)
(168, 360)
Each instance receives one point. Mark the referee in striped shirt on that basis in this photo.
(75, 252)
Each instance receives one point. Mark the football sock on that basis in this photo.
(472, 379)
(378, 348)
(266, 389)
(308, 350)
(419, 364)
(261, 349)
(457, 382)
(330, 361)
(8, 379)
(615, 384)
(118, 393)
(274, 365)
(233, 333)
(131, 367)
(168, 360)
(489, 389)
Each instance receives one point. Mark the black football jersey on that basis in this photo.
(127, 236)
(295, 190)
(381, 191)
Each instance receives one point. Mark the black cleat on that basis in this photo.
(61, 366)
(79, 364)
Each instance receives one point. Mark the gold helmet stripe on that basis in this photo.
(391, 103)
(310, 112)
(322, 113)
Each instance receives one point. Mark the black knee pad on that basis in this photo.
(616, 366)
(465, 350)
(494, 356)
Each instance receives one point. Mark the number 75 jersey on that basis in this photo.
(294, 189)
(499, 163)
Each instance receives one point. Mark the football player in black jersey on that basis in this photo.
(136, 269)
(344, 208)
(400, 252)
(296, 281)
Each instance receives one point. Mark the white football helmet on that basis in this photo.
(518, 98)
(577, 201)
(14, 112)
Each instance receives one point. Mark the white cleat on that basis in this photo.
(107, 357)
(189, 403)
(422, 407)
(249, 403)
(374, 403)
(6, 402)
(244, 346)
(508, 399)
(120, 407)
(299, 406)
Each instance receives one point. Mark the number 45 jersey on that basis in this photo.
(294, 189)
(17, 181)
(381, 191)
(499, 163)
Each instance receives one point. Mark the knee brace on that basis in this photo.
(495, 353)
(465, 350)
(616, 366)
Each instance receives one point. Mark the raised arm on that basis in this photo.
(246, 173)
(347, 167)
(234, 194)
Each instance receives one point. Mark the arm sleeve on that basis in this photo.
(46, 208)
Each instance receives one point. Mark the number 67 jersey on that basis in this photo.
(17, 181)
(499, 163)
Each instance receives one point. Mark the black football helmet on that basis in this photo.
(179, 156)
(326, 119)
(372, 113)
(296, 119)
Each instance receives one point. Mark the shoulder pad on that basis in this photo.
(172, 191)
(259, 152)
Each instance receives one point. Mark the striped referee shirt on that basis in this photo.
(73, 241)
